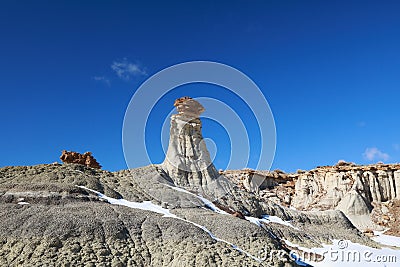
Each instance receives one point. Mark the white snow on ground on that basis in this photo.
(257, 221)
(147, 205)
(21, 201)
(269, 219)
(346, 253)
(253, 220)
(276, 219)
(206, 202)
(386, 239)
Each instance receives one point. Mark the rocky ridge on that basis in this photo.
(48, 220)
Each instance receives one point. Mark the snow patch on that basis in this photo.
(386, 239)
(146, 205)
(257, 221)
(270, 219)
(206, 202)
(254, 220)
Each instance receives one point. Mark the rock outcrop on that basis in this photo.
(355, 190)
(327, 185)
(275, 186)
(358, 191)
(188, 161)
(84, 159)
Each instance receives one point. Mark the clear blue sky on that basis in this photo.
(330, 71)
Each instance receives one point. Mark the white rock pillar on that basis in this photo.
(396, 176)
(188, 161)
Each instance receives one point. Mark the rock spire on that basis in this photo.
(188, 161)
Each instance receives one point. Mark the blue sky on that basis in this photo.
(329, 70)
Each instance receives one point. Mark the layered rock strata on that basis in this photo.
(354, 190)
(359, 192)
(188, 161)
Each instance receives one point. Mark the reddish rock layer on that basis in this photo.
(84, 159)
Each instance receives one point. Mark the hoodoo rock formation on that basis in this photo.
(187, 160)
(74, 157)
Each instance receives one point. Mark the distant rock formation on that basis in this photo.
(74, 157)
(354, 190)
(367, 195)
(276, 186)
(188, 161)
